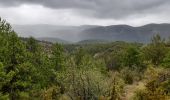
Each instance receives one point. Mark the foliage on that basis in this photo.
(157, 85)
(166, 60)
(156, 50)
(36, 70)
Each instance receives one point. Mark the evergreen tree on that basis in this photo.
(13, 53)
(156, 50)
(57, 57)
(132, 57)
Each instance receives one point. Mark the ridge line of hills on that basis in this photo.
(93, 33)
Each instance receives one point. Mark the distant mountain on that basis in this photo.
(127, 33)
(92, 41)
(90, 32)
(68, 33)
(53, 40)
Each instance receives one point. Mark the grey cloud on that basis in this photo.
(114, 9)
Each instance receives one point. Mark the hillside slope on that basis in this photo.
(89, 32)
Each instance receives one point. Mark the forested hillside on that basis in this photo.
(35, 70)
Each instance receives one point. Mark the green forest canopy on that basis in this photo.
(32, 70)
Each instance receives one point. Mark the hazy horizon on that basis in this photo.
(86, 25)
(85, 12)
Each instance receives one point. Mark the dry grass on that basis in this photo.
(130, 90)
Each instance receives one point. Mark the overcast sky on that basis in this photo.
(83, 12)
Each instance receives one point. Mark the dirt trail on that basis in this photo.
(130, 90)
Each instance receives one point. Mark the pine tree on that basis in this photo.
(13, 53)
(57, 57)
(156, 50)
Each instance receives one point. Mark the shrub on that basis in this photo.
(140, 95)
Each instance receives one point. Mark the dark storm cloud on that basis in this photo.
(114, 9)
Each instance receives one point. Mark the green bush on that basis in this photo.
(140, 95)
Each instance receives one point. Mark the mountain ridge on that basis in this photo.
(121, 32)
